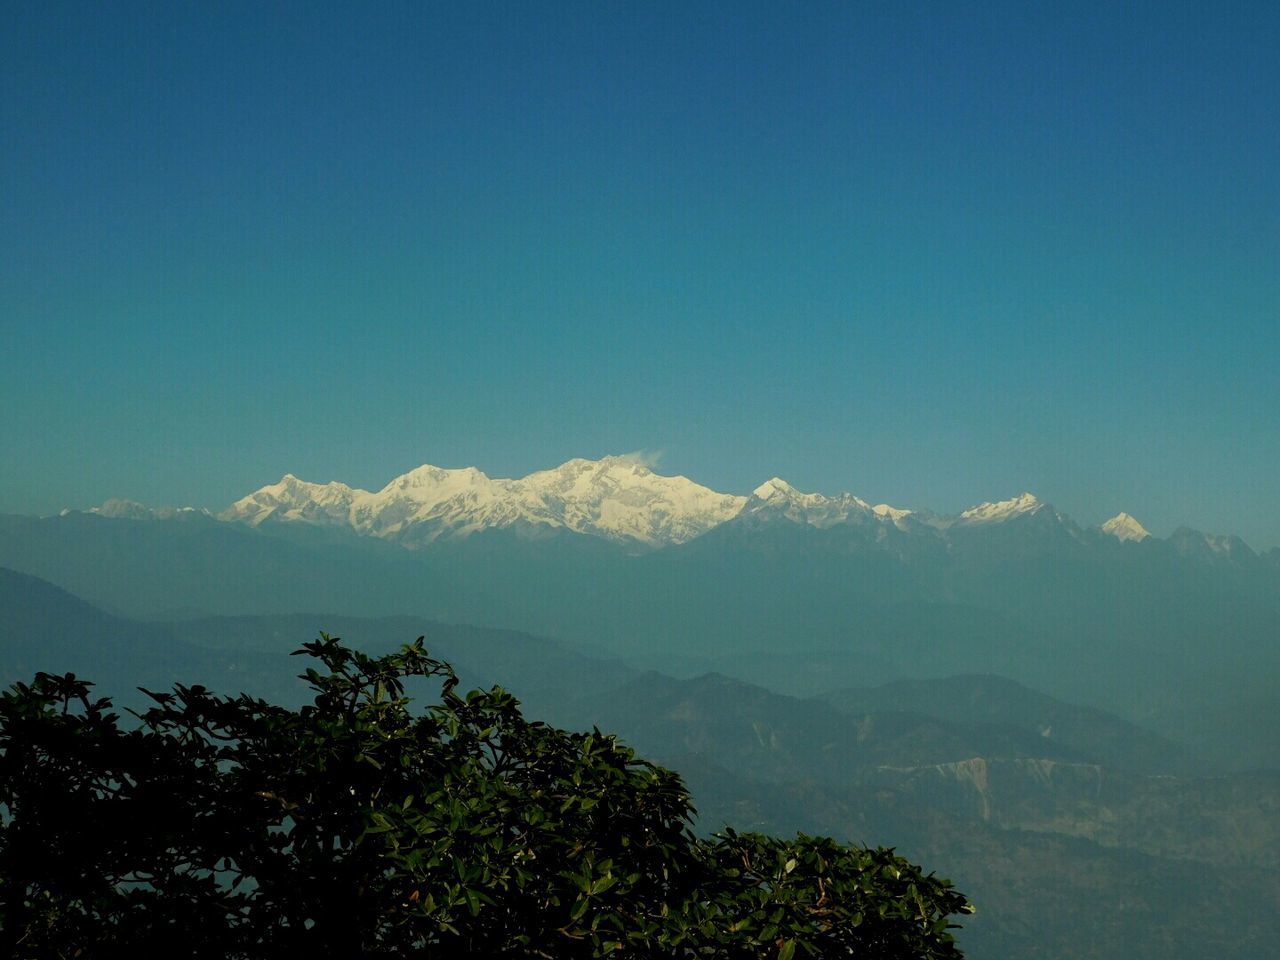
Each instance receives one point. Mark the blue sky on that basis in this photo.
(929, 253)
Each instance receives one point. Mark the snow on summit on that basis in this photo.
(1003, 510)
(1124, 527)
(617, 498)
(777, 498)
(775, 487)
(294, 499)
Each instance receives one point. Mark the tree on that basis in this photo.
(356, 827)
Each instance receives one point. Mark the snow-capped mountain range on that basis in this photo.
(616, 498)
(778, 499)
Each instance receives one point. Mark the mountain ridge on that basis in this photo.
(617, 498)
(620, 499)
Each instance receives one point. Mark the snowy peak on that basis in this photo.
(132, 510)
(578, 479)
(427, 483)
(1125, 528)
(776, 499)
(123, 509)
(891, 513)
(1021, 505)
(328, 504)
(616, 498)
(775, 487)
(621, 498)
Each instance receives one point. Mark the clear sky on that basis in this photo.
(928, 253)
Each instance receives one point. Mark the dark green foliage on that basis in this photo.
(354, 827)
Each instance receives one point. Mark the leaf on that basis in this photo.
(603, 884)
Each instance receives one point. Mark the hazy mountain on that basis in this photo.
(770, 736)
(541, 672)
(152, 568)
(1091, 735)
(45, 628)
(132, 510)
(1064, 857)
(1043, 895)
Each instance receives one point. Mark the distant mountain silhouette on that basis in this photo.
(1091, 735)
